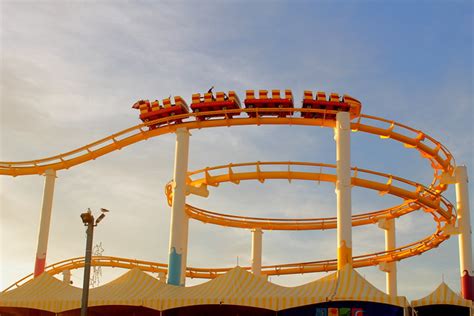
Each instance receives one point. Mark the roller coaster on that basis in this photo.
(225, 110)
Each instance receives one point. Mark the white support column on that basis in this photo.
(257, 251)
(162, 277)
(343, 189)
(179, 220)
(45, 221)
(465, 233)
(67, 276)
(390, 268)
(390, 244)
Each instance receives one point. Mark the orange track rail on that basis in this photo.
(441, 159)
(282, 269)
(418, 196)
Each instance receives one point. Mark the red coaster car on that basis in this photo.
(220, 102)
(154, 111)
(331, 106)
(263, 101)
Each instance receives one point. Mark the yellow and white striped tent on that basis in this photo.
(315, 292)
(442, 295)
(50, 294)
(344, 285)
(44, 293)
(351, 286)
(239, 287)
(129, 289)
(236, 287)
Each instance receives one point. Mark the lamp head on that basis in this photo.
(87, 217)
(101, 217)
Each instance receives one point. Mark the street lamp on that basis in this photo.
(88, 220)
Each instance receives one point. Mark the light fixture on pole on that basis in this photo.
(88, 220)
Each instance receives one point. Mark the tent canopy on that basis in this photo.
(128, 289)
(344, 285)
(44, 293)
(236, 287)
(443, 295)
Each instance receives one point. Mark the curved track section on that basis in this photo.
(263, 223)
(414, 194)
(439, 156)
(282, 269)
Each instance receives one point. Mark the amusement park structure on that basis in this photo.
(343, 114)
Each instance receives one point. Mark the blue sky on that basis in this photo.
(71, 71)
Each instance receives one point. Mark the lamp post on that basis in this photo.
(88, 220)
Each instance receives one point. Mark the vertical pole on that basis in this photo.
(343, 190)
(390, 244)
(257, 251)
(45, 221)
(465, 238)
(179, 220)
(87, 268)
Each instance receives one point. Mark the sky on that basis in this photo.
(70, 72)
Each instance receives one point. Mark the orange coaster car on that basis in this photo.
(330, 107)
(209, 103)
(263, 101)
(153, 111)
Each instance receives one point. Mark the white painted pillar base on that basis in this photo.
(179, 220)
(257, 251)
(343, 190)
(45, 221)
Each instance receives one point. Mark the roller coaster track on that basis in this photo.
(440, 157)
(282, 269)
(418, 197)
(428, 198)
